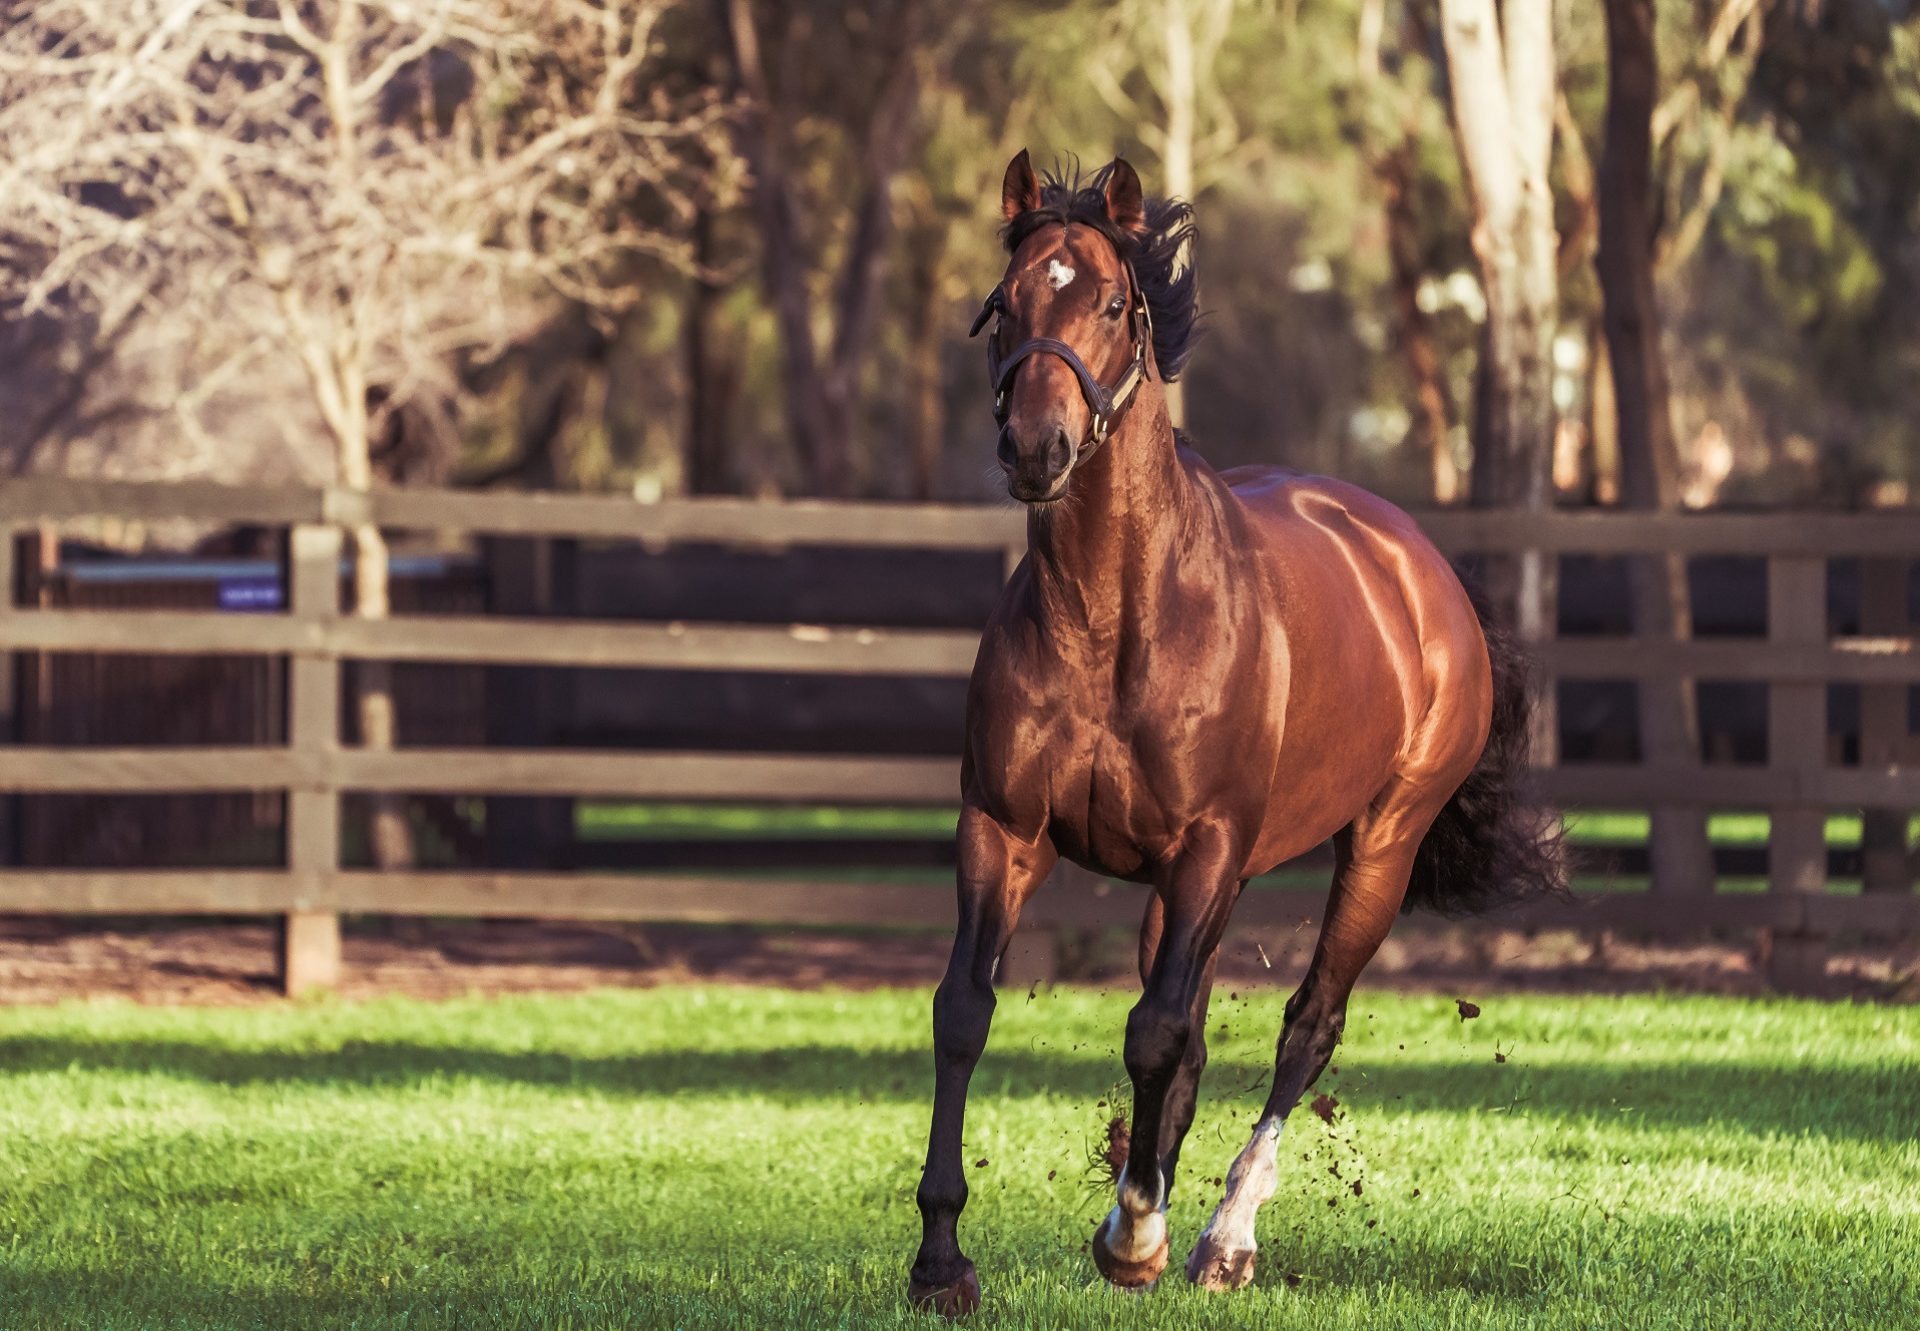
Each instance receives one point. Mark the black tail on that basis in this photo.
(1489, 847)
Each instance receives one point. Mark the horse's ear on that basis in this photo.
(1020, 191)
(1126, 206)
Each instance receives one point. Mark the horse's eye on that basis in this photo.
(1116, 307)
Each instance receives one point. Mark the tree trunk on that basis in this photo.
(783, 264)
(1503, 91)
(1649, 461)
(389, 835)
(890, 132)
(1649, 457)
(1394, 169)
(713, 373)
(1503, 114)
(1182, 105)
(927, 414)
(1603, 418)
(822, 394)
(1530, 90)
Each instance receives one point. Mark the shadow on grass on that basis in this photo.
(679, 1292)
(774, 1289)
(1850, 1101)
(154, 1296)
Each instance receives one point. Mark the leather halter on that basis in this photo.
(1103, 402)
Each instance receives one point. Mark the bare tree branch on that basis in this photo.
(341, 177)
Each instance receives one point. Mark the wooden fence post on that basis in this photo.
(33, 682)
(1797, 745)
(1679, 852)
(1543, 747)
(1886, 864)
(310, 938)
(526, 705)
(9, 691)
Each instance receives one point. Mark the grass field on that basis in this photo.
(598, 820)
(1590, 829)
(741, 1158)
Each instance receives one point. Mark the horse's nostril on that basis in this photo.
(1059, 453)
(1007, 452)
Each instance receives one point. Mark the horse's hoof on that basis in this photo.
(1219, 1269)
(1126, 1273)
(954, 1299)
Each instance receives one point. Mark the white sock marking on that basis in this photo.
(1134, 1238)
(1137, 1226)
(1250, 1183)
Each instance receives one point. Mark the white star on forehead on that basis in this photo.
(1058, 274)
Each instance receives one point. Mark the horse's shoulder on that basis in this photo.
(1323, 502)
(1255, 483)
(1288, 492)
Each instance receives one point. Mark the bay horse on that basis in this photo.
(1192, 677)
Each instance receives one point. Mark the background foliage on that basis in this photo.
(1787, 170)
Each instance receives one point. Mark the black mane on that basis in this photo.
(1169, 293)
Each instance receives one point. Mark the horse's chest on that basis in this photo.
(1119, 768)
(1120, 810)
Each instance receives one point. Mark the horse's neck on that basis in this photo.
(1098, 555)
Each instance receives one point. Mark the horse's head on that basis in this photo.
(1070, 341)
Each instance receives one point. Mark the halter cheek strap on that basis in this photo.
(1103, 402)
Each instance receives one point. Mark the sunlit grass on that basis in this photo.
(1617, 828)
(604, 820)
(741, 1158)
(601, 820)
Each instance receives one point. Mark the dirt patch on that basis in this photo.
(47, 960)
(1112, 1161)
(44, 960)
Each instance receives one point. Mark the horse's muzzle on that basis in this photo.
(1037, 468)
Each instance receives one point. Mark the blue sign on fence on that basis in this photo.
(250, 593)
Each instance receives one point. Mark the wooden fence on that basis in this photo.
(1797, 661)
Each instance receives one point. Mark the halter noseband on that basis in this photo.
(1105, 403)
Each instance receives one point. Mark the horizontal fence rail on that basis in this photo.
(1797, 661)
(665, 774)
(812, 648)
(692, 899)
(1819, 535)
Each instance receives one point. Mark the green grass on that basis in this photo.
(595, 820)
(611, 821)
(739, 1158)
(1614, 828)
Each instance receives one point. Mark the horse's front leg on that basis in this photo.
(1185, 1091)
(1370, 881)
(1198, 892)
(998, 872)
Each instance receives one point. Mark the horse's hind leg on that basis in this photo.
(1130, 1247)
(1375, 859)
(998, 872)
